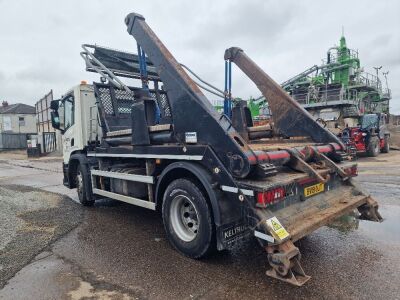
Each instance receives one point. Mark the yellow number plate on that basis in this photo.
(314, 189)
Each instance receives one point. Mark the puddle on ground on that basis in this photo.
(388, 230)
(346, 223)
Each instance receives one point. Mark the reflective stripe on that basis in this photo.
(235, 190)
(161, 156)
(247, 192)
(264, 236)
(230, 189)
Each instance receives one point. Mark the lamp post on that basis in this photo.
(386, 74)
(377, 79)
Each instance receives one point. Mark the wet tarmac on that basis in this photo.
(119, 251)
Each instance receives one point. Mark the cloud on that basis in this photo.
(250, 23)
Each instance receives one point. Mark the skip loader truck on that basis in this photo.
(216, 180)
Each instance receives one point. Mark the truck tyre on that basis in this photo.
(386, 145)
(187, 219)
(83, 186)
(373, 146)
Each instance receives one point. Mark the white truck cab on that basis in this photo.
(77, 120)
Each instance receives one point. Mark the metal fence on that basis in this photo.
(43, 118)
(9, 141)
(49, 142)
(47, 135)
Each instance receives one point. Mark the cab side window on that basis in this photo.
(61, 115)
(69, 110)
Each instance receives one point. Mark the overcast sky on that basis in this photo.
(40, 40)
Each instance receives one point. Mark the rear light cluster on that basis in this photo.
(270, 197)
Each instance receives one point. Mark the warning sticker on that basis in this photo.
(276, 229)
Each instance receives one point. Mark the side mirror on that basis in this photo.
(54, 104)
(55, 120)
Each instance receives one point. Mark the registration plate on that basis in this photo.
(314, 189)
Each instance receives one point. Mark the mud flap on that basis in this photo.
(285, 262)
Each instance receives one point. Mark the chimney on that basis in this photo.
(4, 103)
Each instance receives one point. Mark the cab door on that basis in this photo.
(66, 113)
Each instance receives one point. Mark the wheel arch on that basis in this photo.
(188, 170)
(75, 160)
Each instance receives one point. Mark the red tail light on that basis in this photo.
(270, 197)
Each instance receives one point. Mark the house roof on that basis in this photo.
(18, 108)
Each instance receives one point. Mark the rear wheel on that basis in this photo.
(373, 146)
(187, 219)
(386, 145)
(83, 186)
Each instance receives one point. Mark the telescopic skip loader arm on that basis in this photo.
(289, 117)
(245, 173)
(190, 109)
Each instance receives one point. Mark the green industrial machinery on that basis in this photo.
(339, 90)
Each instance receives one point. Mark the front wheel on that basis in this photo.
(83, 186)
(187, 219)
(373, 146)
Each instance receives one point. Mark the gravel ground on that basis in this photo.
(31, 219)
